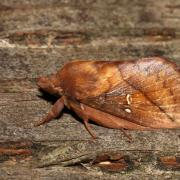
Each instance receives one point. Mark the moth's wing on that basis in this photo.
(159, 81)
(148, 94)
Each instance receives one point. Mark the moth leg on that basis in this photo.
(82, 114)
(86, 121)
(127, 135)
(53, 113)
(88, 128)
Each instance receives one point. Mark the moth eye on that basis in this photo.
(129, 99)
(127, 110)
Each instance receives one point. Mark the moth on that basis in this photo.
(140, 94)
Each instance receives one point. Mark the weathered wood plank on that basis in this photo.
(37, 38)
(104, 17)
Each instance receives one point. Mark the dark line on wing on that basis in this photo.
(118, 116)
(149, 99)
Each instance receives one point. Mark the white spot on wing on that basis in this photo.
(128, 110)
(82, 106)
(129, 99)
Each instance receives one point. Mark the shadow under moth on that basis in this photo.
(137, 95)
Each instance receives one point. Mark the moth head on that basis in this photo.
(49, 84)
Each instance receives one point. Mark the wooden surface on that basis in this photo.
(37, 38)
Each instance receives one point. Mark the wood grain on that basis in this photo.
(39, 37)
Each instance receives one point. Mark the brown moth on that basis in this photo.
(141, 95)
